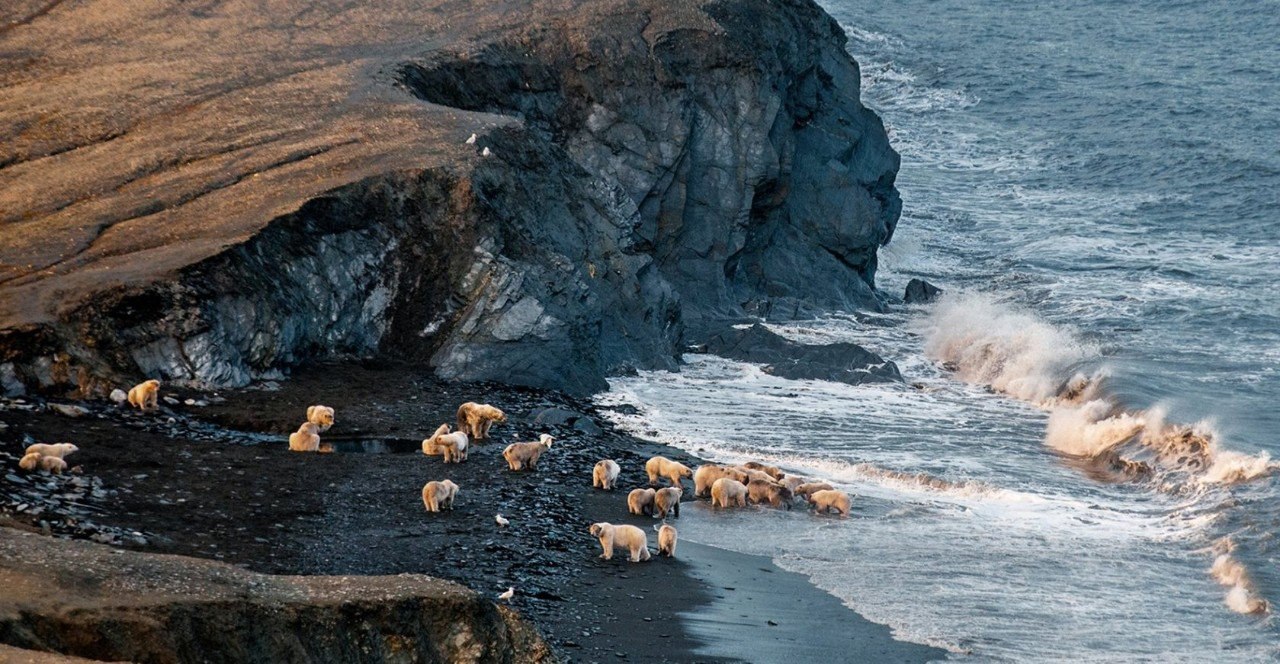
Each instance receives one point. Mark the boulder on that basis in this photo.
(920, 291)
(840, 362)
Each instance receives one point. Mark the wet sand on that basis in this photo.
(218, 482)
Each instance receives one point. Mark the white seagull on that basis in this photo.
(511, 592)
(472, 140)
(501, 521)
(485, 152)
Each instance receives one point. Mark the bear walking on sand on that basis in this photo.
(321, 416)
(667, 500)
(728, 492)
(453, 446)
(60, 450)
(145, 395)
(439, 495)
(475, 419)
(707, 474)
(629, 537)
(525, 455)
(306, 438)
(666, 540)
(640, 501)
(769, 492)
(831, 499)
(660, 466)
(605, 474)
(431, 444)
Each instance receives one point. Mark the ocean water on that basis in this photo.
(1080, 468)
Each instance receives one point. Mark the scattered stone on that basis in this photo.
(69, 410)
(119, 396)
(171, 401)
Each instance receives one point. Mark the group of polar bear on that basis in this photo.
(52, 457)
(727, 486)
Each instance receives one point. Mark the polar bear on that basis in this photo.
(792, 482)
(728, 492)
(306, 438)
(145, 395)
(660, 466)
(830, 499)
(30, 462)
(431, 444)
(605, 474)
(60, 450)
(321, 416)
(630, 537)
(769, 492)
(809, 488)
(771, 471)
(439, 495)
(52, 465)
(475, 419)
(640, 501)
(453, 447)
(754, 475)
(667, 540)
(667, 500)
(525, 455)
(707, 474)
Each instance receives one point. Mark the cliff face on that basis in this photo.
(213, 194)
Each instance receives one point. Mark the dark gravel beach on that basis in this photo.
(204, 481)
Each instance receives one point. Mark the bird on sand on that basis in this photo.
(472, 140)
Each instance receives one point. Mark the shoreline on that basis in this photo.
(193, 486)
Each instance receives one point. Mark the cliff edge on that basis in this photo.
(215, 192)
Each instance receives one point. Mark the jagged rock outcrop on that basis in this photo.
(87, 600)
(232, 192)
(920, 291)
(838, 362)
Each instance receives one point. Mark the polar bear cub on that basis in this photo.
(145, 395)
(30, 462)
(60, 450)
(525, 455)
(306, 438)
(640, 501)
(661, 466)
(475, 419)
(728, 492)
(667, 540)
(605, 474)
(667, 500)
(321, 416)
(439, 495)
(830, 499)
(628, 537)
(52, 465)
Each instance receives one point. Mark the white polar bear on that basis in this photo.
(630, 537)
(605, 474)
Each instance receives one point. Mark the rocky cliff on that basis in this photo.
(215, 192)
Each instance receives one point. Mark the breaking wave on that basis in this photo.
(983, 341)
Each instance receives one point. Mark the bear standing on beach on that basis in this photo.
(661, 466)
(475, 419)
(630, 537)
(667, 500)
(145, 395)
(640, 501)
(707, 474)
(728, 492)
(667, 541)
(605, 474)
(525, 455)
(439, 495)
(60, 450)
(769, 492)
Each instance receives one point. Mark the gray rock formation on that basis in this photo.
(838, 362)
(920, 291)
(238, 193)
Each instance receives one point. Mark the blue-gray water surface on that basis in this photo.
(1097, 186)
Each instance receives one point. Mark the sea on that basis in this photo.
(1081, 464)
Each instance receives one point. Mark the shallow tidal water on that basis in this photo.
(1097, 187)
